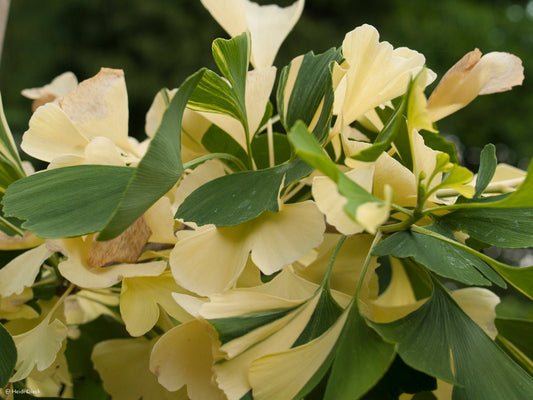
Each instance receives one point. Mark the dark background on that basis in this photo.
(159, 43)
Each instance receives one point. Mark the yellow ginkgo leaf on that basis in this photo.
(38, 347)
(141, 297)
(268, 25)
(209, 260)
(183, 357)
(21, 271)
(123, 366)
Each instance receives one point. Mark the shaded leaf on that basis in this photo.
(362, 357)
(8, 356)
(507, 227)
(487, 168)
(216, 140)
(308, 77)
(439, 334)
(282, 150)
(399, 379)
(440, 257)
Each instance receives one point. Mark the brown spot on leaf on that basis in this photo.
(125, 248)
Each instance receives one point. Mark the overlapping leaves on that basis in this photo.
(88, 198)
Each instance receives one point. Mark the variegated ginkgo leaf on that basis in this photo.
(259, 83)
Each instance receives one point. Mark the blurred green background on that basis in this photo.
(159, 43)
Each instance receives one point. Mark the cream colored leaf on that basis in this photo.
(283, 375)
(156, 110)
(14, 307)
(141, 297)
(22, 270)
(193, 128)
(331, 203)
(471, 76)
(99, 107)
(51, 134)
(160, 220)
(86, 306)
(38, 347)
(77, 270)
(28, 241)
(372, 215)
(54, 381)
(268, 25)
(232, 375)
(280, 238)
(60, 85)
(480, 305)
(209, 260)
(123, 367)
(102, 150)
(202, 174)
(348, 265)
(183, 356)
(375, 72)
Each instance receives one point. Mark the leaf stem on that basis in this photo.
(327, 278)
(219, 156)
(11, 226)
(376, 240)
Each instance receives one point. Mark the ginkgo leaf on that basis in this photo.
(123, 367)
(183, 357)
(22, 270)
(141, 297)
(38, 347)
